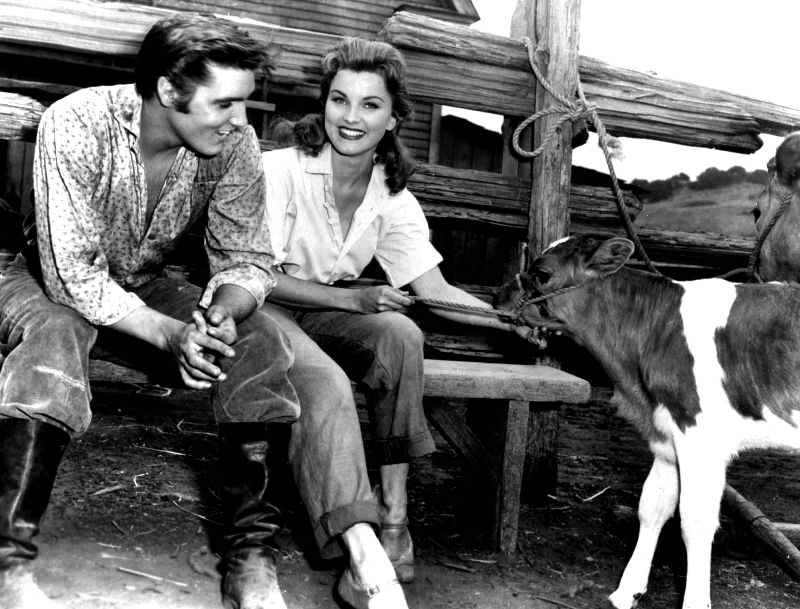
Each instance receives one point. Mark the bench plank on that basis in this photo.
(500, 381)
(443, 378)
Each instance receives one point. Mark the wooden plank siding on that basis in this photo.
(340, 17)
(416, 133)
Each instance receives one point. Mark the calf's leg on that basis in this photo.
(656, 504)
(702, 482)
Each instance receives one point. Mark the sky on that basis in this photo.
(741, 46)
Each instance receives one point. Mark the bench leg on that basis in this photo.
(504, 474)
(541, 468)
(510, 475)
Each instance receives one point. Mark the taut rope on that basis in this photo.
(464, 308)
(515, 315)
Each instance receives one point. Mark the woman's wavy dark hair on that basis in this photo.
(381, 58)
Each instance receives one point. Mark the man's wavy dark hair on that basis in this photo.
(181, 48)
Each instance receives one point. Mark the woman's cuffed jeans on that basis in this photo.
(326, 452)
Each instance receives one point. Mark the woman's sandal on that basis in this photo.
(399, 547)
(388, 595)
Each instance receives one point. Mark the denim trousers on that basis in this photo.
(44, 375)
(383, 353)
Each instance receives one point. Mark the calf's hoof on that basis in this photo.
(621, 600)
(250, 580)
(19, 590)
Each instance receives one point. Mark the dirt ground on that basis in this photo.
(133, 509)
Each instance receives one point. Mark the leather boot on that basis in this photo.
(249, 553)
(30, 453)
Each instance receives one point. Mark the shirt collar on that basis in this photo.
(320, 163)
(126, 106)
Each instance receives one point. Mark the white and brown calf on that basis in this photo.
(777, 216)
(704, 369)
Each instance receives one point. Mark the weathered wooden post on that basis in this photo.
(553, 28)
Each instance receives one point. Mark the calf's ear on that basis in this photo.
(611, 255)
(787, 160)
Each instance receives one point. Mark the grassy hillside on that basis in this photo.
(725, 210)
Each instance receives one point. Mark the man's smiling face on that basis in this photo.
(216, 110)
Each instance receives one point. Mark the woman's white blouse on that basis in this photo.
(306, 234)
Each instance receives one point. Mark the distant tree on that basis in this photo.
(736, 174)
(716, 178)
(709, 178)
(757, 176)
(658, 190)
(679, 180)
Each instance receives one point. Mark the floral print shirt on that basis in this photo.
(91, 203)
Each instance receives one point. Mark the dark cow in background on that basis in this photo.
(704, 369)
(777, 215)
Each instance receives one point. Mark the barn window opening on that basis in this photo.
(467, 139)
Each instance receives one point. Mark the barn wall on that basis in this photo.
(473, 253)
(340, 17)
(343, 17)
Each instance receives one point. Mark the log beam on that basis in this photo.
(780, 549)
(19, 116)
(87, 28)
(491, 73)
(503, 201)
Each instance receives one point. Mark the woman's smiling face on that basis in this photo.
(358, 112)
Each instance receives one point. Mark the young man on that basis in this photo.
(121, 173)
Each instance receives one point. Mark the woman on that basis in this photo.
(336, 200)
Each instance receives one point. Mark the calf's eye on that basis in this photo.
(541, 276)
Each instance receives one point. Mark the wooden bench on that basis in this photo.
(511, 389)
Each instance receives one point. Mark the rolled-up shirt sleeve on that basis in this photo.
(71, 153)
(237, 236)
(404, 250)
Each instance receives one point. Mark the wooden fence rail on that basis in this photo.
(461, 66)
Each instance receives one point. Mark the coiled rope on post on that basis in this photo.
(572, 111)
